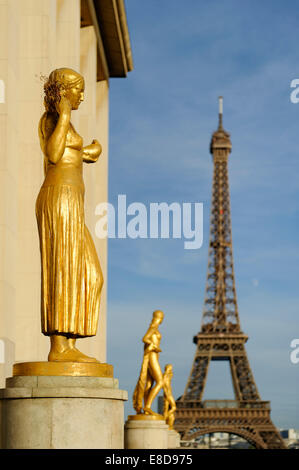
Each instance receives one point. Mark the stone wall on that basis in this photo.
(37, 36)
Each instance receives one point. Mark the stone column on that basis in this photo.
(146, 433)
(100, 183)
(9, 30)
(174, 439)
(36, 46)
(7, 357)
(93, 124)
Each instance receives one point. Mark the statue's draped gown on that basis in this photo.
(71, 274)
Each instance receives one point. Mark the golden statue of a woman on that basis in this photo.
(71, 274)
(150, 379)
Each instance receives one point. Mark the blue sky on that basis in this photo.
(162, 116)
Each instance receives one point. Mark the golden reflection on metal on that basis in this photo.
(71, 274)
(74, 369)
(169, 401)
(150, 380)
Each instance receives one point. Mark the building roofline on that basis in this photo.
(114, 47)
(126, 34)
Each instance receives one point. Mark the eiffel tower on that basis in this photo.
(221, 337)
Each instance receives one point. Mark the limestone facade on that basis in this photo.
(37, 36)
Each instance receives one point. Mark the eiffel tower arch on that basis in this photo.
(221, 337)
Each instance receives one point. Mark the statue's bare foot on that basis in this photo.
(148, 411)
(83, 357)
(70, 355)
(63, 350)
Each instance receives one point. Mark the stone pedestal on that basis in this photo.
(56, 412)
(146, 433)
(174, 439)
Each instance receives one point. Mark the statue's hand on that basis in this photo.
(92, 152)
(97, 148)
(64, 106)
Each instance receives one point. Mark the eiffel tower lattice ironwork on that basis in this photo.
(221, 337)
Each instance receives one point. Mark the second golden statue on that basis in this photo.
(151, 379)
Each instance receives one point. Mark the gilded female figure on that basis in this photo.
(151, 378)
(71, 273)
(169, 401)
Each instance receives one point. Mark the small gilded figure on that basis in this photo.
(150, 380)
(71, 276)
(169, 401)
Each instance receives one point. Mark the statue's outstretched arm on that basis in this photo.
(92, 152)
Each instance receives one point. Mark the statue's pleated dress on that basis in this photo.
(144, 378)
(71, 274)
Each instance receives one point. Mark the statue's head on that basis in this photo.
(65, 82)
(158, 316)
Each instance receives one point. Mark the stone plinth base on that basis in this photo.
(49, 412)
(174, 439)
(146, 433)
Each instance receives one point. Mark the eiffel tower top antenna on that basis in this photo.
(220, 101)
